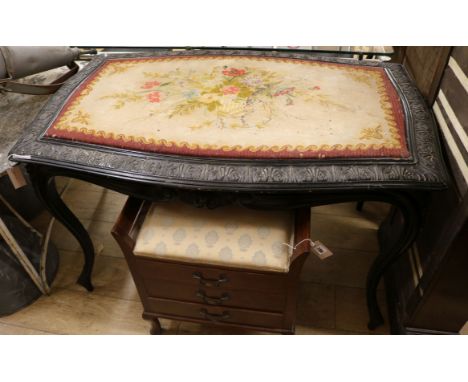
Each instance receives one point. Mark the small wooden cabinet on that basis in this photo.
(197, 292)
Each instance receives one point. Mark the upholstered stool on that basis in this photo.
(228, 266)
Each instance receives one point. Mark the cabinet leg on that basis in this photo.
(155, 326)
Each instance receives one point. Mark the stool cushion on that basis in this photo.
(230, 236)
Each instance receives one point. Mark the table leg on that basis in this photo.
(390, 250)
(387, 256)
(44, 185)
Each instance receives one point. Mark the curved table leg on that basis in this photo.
(390, 251)
(44, 186)
(397, 245)
(387, 256)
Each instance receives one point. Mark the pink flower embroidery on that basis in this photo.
(283, 92)
(233, 72)
(154, 97)
(316, 87)
(230, 90)
(150, 84)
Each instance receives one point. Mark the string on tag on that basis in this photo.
(317, 247)
(298, 244)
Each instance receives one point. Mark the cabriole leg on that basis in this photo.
(397, 246)
(44, 186)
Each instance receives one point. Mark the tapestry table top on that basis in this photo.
(237, 107)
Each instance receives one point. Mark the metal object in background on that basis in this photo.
(21, 61)
(17, 288)
(28, 261)
(37, 274)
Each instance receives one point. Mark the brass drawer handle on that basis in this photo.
(209, 282)
(213, 300)
(213, 316)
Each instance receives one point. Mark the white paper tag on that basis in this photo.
(321, 250)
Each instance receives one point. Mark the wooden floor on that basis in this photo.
(332, 295)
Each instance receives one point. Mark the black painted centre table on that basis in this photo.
(254, 128)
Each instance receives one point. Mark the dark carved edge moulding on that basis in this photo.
(424, 170)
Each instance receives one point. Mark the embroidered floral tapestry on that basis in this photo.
(253, 107)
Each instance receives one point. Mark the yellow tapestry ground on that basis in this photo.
(236, 103)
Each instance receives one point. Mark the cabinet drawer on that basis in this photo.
(202, 275)
(221, 296)
(214, 314)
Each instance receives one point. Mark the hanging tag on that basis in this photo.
(16, 177)
(321, 250)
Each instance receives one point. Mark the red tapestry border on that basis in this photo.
(370, 152)
(163, 149)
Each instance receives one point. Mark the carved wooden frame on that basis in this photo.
(424, 170)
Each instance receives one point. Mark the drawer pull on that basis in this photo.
(213, 300)
(209, 282)
(213, 316)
